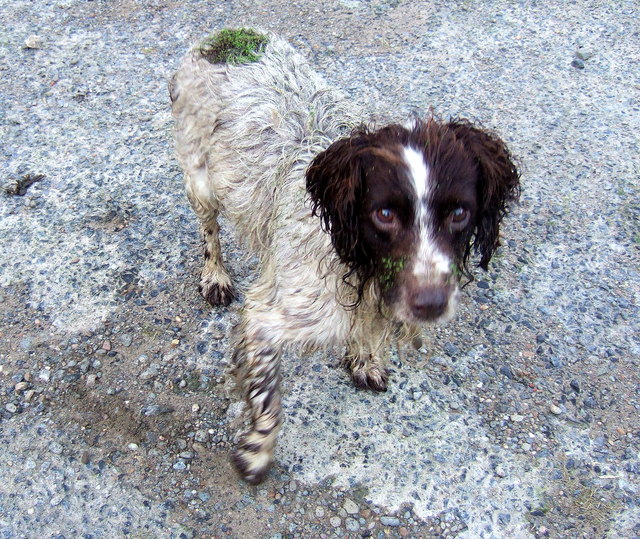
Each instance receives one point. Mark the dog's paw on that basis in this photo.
(374, 378)
(216, 293)
(251, 460)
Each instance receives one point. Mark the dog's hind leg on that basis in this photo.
(257, 367)
(215, 283)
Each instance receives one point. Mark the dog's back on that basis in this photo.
(246, 133)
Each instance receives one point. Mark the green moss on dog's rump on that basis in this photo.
(234, 46)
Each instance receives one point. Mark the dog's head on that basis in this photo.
(407, 205)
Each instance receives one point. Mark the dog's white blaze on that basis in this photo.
(419, 173)
(430, 262)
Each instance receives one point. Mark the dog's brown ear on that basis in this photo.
(499, 184)
(334, 183)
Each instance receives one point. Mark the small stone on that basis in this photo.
(575, 385)
(56, 500)
(33, 42)
(555, 410)
(390, 521)
(180, 465)
(584, 53)
(517, 418)
(132, 446)
(11, 408)
(175, 342)
(157, 409)
(91, 380)
(126, 340)
(500, 471)
(350, 507)
(20, 387)
(55, 448)
(451, 349)
(352, 525)
(577, 63)
(106, 346)
(335, 521)
(28, 395)
(195, 408)
(151, 372)
(201, 436)
(319, 512)
(84, 458)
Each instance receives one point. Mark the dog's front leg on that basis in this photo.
(257, 366)
(367, 370)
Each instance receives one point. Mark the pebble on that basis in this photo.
(351, 524)
(390, 521)
(55, 448)
(584, 53)
(350, 507)
(132, 446)
(157, 409)
(151, 372)
(180, 465)
(20, 387)
(11, 408)
(335, 521)
(319, 512)
(56, 500)
(578, 63)
(201, 436)
(33, 42)
(555, 410)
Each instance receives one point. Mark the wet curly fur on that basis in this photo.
(361, 233)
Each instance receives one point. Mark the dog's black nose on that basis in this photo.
(430, 302)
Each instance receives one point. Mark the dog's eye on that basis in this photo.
(384, 216)
(458, 218)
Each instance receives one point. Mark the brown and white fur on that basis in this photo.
(361, 234)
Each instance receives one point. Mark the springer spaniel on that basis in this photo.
(362, 234)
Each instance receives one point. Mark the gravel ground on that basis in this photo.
(520, 419)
